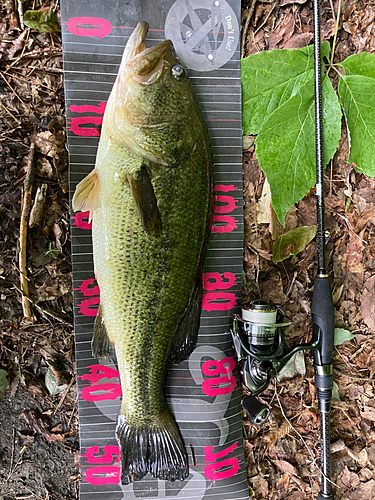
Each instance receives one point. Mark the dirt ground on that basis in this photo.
(39, 438)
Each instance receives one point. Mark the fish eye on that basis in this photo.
(178, 72)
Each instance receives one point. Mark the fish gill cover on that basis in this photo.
(202, 391)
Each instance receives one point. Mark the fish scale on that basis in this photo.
(151, 197)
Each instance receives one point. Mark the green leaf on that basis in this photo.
(295, 366)
(247, 142)
(51, 383)
(357, 96)
(3, 383)
(285, 145)
(342, 335)
(44, 21)
(360, 64)
(335, 392)
(292, 242)
(270, 78)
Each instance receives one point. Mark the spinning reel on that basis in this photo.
(258, 340)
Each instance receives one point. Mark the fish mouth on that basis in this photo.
(141, 63)
(136, 42)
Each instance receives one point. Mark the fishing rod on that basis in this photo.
(322, 310)
(258, 335)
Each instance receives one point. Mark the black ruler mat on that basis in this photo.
(203, 391)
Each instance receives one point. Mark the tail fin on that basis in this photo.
(157, 449)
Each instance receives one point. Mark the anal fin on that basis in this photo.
(101, 346)
(185, 336)
(145, 200)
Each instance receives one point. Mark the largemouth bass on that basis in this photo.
(150, 196)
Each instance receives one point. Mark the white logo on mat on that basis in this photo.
(204, 33)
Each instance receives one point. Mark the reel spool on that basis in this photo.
(257, 339)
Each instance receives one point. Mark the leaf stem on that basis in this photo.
(335, 37)
(334, 68)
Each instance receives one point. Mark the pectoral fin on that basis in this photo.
(87, 193)
(145, 200)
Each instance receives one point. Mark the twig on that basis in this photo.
(291, 284)
(246, 27)
(330, 179)
(12, 75)
(74, 411)
(65, 394)
(26, 207)
(35, 54)
(12, 456)
(336, 31)
(9, 113)
(266, 19)
(257, 270)
(20, 13)
(361, 348)
(43, 311)
(58, 71)
(352, 377)
(350, 228)
(333, 10)
(12, 89)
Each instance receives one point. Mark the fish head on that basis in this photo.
(152, 108)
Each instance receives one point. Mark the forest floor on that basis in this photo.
(39, 438)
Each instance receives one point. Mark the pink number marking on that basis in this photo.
(209, 456)
(214, 281)
(218, 366)
(225, 188)
(214, 473)
(75, 125)
(228, 224)
(85, 309)
(110, 451)
(86, 108)
(85, 290)
(89, 26)
(212, 301)
(223, 209)
(97, 372)
(112, 391)
(112, 477)
(213, 386)
(80, 222)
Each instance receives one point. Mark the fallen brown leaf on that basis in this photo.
(298, 41)
(34, 420)
(285, 466)
(354, 251)
(368, 303)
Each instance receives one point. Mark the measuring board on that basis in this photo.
(207, 408)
